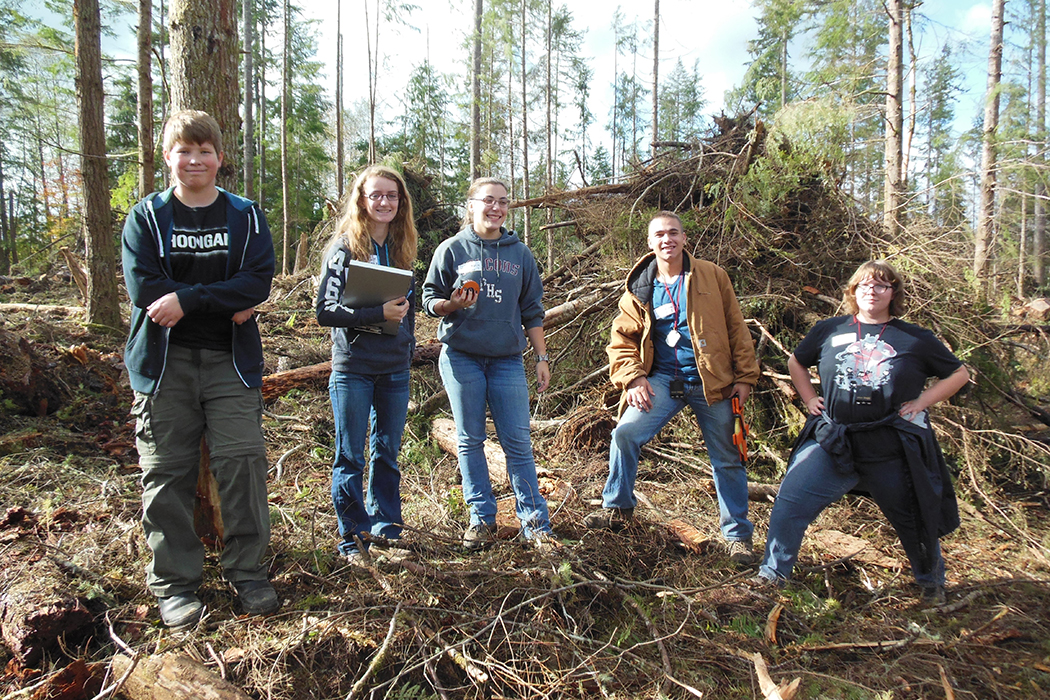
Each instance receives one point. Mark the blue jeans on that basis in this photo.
(637, 427)
(812, 484)
(356, 400)
(472, 381)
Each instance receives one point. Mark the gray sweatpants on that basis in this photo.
(201, 394)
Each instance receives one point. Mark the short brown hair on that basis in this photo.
(665, 214)
(192, 126)
(881, 271)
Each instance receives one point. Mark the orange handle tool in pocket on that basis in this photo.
(739, 430)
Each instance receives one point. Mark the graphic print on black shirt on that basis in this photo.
(199, 253)
(864, 363)
(892, 361)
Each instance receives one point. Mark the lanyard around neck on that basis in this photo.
(877, 338)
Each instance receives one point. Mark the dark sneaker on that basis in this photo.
(741, 552)
(934, 596)
(257, 597)
(180, 610)
(615, 519)
(479, 536)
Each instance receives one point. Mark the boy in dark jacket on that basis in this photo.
(197, 260)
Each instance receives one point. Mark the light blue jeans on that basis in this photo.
(812, 484)
(358, 399)
(472, 381)
(637, 427)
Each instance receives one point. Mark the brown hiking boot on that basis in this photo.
(615, 519)
(479, 536)
(741, 552)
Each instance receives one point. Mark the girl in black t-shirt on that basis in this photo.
(869, 428)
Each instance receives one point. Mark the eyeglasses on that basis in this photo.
(503, 202)
(376, 196)
(877, 288)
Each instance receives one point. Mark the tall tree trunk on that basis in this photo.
(339, 157)
(5, 257)
(656, 76)
(12, 228)
(913, 70)
(549, 180)
(1039, 234)
(891, 209)
(248, 154)
(475, 96)
(373, 78)
(262, 110)
(286, 90)
(983, 237)
(204, 70)
(783, 67)
(145, 98)
(102, 305)
(526, 226)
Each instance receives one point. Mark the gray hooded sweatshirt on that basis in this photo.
(510, 300)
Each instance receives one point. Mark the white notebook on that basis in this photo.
(370, 285)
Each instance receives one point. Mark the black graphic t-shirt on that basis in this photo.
(199, 252)
(890, 363)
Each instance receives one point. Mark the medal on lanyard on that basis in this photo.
(673, 336)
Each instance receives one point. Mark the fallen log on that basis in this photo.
(172, 677)
(278, 384)
(37, 608)
(42, 308)
(443, 431)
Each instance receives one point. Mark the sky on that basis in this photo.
(713, 32)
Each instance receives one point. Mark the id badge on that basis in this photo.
(862, 395)
(677, 388)
(673, 337)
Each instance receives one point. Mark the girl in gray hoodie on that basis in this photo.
(485, 286)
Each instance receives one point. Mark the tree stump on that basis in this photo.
(38, 608)
(26, 378)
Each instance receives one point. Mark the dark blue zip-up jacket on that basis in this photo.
(146, 253)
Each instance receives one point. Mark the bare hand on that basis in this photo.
(910, 408)
(543, 376)
(395, 309)
(462, 298)
(640, 394)
(242, 316)
(166, 311)
(741, 391)
(815, 405)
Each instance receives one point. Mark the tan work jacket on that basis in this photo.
(725, 357)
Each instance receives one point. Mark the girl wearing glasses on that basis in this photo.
(485, 286)
(369, 380)
(870, 429)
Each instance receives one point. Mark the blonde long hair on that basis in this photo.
(355, 226)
